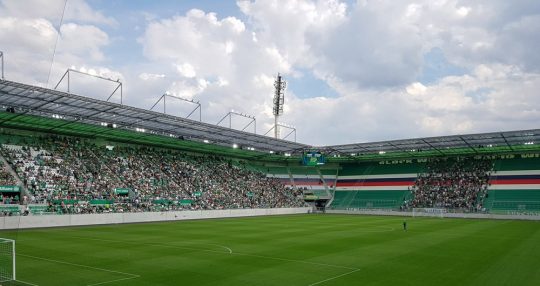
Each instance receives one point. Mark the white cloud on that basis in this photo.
(216, 60)
(186, 70)
(463, 11)
(453, 105)
(30, 39)
(79, 10)
(75, 10)
(150, 76)
(83, 40)
(285, 27)
(30, 34)
(416, 88)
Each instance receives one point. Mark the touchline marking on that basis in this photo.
(132, 276)
(335, 277)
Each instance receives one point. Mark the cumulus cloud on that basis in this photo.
(150, 76)
(369, 51)
(186, 70)
(285, 26)
(75, 10)
(215, 60)
(25, 44)
(480, 102)
(30, 38)
(372, 53)
(83, 40)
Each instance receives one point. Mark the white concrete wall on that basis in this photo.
(446, 215)
(34, 221)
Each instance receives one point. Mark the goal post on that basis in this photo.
(7, 260)
(430, 212)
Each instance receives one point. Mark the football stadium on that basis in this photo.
(99, 191)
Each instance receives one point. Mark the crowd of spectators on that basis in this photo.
(6, 179)
(72, 175)
(452, 183)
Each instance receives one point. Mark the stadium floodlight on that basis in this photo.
(117, 82)
(7, 260)
(279, 101)
(2, 63)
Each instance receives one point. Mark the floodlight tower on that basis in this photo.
(279, 100)
(2, 61)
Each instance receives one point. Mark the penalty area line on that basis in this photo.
(131, 275)
(115, 280)
(334, 277)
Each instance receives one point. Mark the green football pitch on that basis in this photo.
(283, 250)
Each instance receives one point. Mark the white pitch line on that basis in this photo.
(219, 245)
(298, 261)
(115, 280)
(132, 276)
(335, 277)
(216, 251)
(75, 264)
(27, 283)
(229, 250)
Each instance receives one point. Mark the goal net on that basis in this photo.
(7, 260)
(432, 212)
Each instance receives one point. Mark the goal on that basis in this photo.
(7, 260)
(432, 212)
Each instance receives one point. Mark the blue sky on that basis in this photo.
(436, 66)
(357, 71)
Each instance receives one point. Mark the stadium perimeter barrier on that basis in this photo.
(42, 221)
(509, 215)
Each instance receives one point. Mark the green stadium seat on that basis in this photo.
(513, 200)
(384, 199)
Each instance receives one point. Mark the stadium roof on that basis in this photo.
(55, 111)
(474, 144)
(32, 100)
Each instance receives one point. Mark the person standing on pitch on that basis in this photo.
(405, 225)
